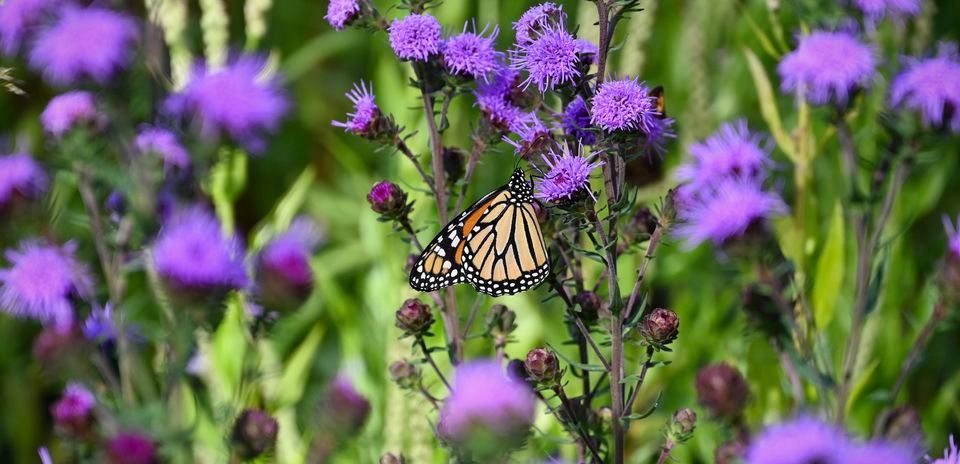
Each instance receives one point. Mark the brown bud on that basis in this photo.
(414, 317)
(660, 327)
(542, 365)
(590, 306)
(254, 433)
(390, 458)
(405, 374)
(729, 453)
(722, 390)
(684, 421)
(501, 321)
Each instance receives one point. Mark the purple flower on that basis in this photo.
(20, 174)
(550, 59)
(624, 105)
(801, 441)
(284, 272)
(931, 87)
(569, 173)
(827, 67)
(74, 410)
(877, 9)
(98, 326)
(237, 101)
(576, 122)
(416, 37)
(951, 454)
(17, 20)
(725, 210)
(344, 406)
(471, 54)
(495, 98)
(484, 403)
(587, 51)
(658, 134)
(131, 448)
(876, 452)
(365, 113)
(42, 280)
(91, 43)
(731, 151)
(192, 253)
(533, 134)
(534, 20)
(68, 110)
(164, 143)
(340, 13)
(953, 237)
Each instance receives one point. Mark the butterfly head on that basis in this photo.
(521, 188)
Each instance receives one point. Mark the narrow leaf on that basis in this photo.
(768, 105)
(830, 271)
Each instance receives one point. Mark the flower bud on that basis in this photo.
(284, 276)
(542, 365)
(730, 452)
(405, 374)
(501, 321)
(131, 448)
(722, 390)
(73, 413)
(682, 424)
(390, 458)
(762, 311)
(453, 164)
(590, 306)
(643, 224)
(388, 199)
(345, 410)
(660, 327)
(414, 317)
(254, 433)
(903, 425)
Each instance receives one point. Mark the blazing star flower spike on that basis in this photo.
(20, 174)
(42, 282)
(191, 253)
(364, 117)
(827, 67)
(69, 110)
(877, 9)
(164, 143)
(569, 174)
(725, 211)
(931, 87)
(340, 13)
(550, 59)
(472, 54)
(731, 151)
(624, 105)
(416, 37)
(534, 20)
(18, 18)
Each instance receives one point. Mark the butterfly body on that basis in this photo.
(495, 245)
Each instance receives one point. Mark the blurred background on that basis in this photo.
(695, 49)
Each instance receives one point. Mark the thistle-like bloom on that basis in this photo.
(283, 271)
(17, 20)
(20, 174)
(569, 174)
(340, 13)
(74, 410)
(131, 448)
(534, 20)
(41, 282)
(624, 105)
(951, 454)
(827, 67)
(877, 9)
(486, 405)
(576, 122)
(85, 43)
(533, 134)
(69, 110)
(344, 407)
(587, 51)
(416, 37)
(238, 101)
(731, 151)
(658, 134)
(191, 253)
(550, 59)
(472, 54)
(876, 452)
(164, 143)
(726, 210)
(495, 98)
(365, 113)
(931, 87)
(800, 441)
(98, 326)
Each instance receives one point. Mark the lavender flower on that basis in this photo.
(726, 210)
(91, 43)
(41, 282)
(471, 54)
(731, 151)
(550, 59)
(416, 37)
(20, 174)
(344, 408)
(237, 101)
(877, 9)
(495, 98)
(624, 105)
(131, 448)
(534, 20)
(587, 51)
(801, 441)
(74, 410)
(658, 134)
(98, 326)
(69, 110)
(17, 19)
(569, 174)
(827, 67)
(365, 114)
(931, 87)
(340, 13)
(875, 452)
(191, 253)
(283, 272)
(576, 122)
(534, 136)
(164, 143)
(486, 408)
(951, 454)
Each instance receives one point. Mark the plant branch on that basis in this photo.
(642, 272)
(939, 314)
(579, 323)
(643, 375)
(479, 145)
(402, 146)
(426, 354)
(568, 406)
(405, 225)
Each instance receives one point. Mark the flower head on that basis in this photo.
(576, 122)
(542, 365)
(534, 20)
(550, 59)
(131, 448)
(254, 432)
(416, 37)
(340, 13)
(164, 143)
(624, 105)
(731, 151)
(495, 98)
(726, 210)
(18, 18)
(191, 253)
(41, 281)
(68, 110)
(658, 134)
(365, 114)
(91, 43)
(534, 135)
(827, 67)
(951, 454)
(344, 407)
(931, 87)
(877, 451)
(388, 199)
(414, 317)
(660, 327)
(877, 9)
(472, 54)
(800, 441)
(20, 174)
(569, 174)
(74, 410)
(283, 266)
(237, 100)
(722, 390)
(587, 51)
(99, 326)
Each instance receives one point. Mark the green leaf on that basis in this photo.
(830, 270)
(228, 178)
(768, 105)
(286, 209)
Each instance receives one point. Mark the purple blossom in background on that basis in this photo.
(494, 98)
(725, 210)
(953, 236)
(18, 18)
(20, 174)
(85, 43)
(98, 326)
(877, 452)
(587, 51)
(416, 37)
(550, 59)
(951, 454)
(68, 110)
(192, 253)
(532, 132)
(239, 101)
(344, 406)
(877, 9)
(74, 409)
(131, 448)
(624, 105)
(365, 112)
(731, 151)
(472, 54)
(534, 20)
(341, 12)
(827, 67)
(658, 134)
(164, 143)
(576, 122)
(41, 281)
(931, 87)
(569, 173)
(284, 263)
(801, 441)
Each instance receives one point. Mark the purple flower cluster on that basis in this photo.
(153, 140)
(533, 134)
(192, 253)
(550, 58)
(931, 87)
(69, 110)
(877, 9)
(472, 54)
(99, 326)
(18, 18)
(495, 98)
(283, 270)
(75, 408)
(131, 448)
(416, 37)
(569, 174)
(340, 13)
(536, 19)
(806, 440)
(624, 105)
(365, 113)
(576, 122)
(20, 174)
(42, 281)
(827, 67)
(731, 151)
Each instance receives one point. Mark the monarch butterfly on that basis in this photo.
(495, 245)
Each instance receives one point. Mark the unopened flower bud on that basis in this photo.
(405, 374)
(722, 390)
(131, 448)
(660, 327)
(542, 365)
(682, 424)
(414, 317)
(388, 199)
(73, 413)
(501, 321)
(643, 224)
(453, 164)
(254, 433)
(730, 452)
(390, 458)
(903, 425)
(590, 306)
(344, 409)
